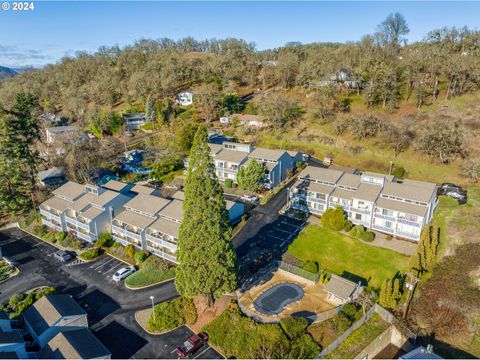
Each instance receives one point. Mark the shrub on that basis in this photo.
(59, 236)
(104, 240)
(172, 314)
(49, 237)
(399, 172)
(66, 241)
(300, 165)
(311, 266)
(350, 310)
(389, 237)
(140, 256)
(15, 300)
(90, 254)
(335, 219)
(368, 236)
(304, 348)
(39, 230)
(293, 327)
(229, 183)
(357, 231)
(129, 250)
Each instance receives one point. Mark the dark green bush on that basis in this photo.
(104, 240)
(335, 219)
(368, 236)
(59, 236)
(39, 230)
(389, 237)
(350, 310)
(399, 172)
(90, 254)
(293, 327)
(172, 314)
(357, 231)
(49, 237)
(229, 183)
(311, 266)
(140, 256)
(304, 348)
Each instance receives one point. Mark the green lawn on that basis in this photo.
(341, 254)
(153, 271)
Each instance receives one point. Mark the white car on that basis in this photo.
(250, 198)
(123, 273)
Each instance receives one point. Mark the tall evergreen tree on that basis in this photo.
(19, 159)
(251, 175)
(207, 259)
(150, 115)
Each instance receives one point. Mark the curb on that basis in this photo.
(115, 257)
(17, 272)
(152, 333)
(148, 286)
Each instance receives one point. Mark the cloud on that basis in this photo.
(15, 56)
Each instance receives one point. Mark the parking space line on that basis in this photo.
(202, 352)
(117, 267)
(96, 265)
(285, 231)
(277, 238)
(105, 263)
(171, 352)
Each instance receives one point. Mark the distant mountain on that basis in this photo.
(6, 72)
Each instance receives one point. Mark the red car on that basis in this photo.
(192, 344)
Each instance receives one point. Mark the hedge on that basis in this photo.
(90, 254)
(172, 314)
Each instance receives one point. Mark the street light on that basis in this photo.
(153, 308)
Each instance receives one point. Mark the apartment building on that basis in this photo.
(129, 224)
(376, 201)
(229, 157)
(82, 210)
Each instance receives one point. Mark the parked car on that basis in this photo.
(63, 256)
(192, 344)
(460, 196)
(123, 273)
(446, 187)
(250, 198)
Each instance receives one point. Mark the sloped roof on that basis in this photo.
(142, 189)
(231, 156)
(135, 219)
(56, 203)
(410, 190)
(165, 226)
(173, 210)
(368, 192)
(49, 309)
(340, 287)
(267, 154)
(148, 204)
(74, 344)
(115, 185)
(71, 190)
(350, 180)
(318, 173)
(401, 207)
(342, 193)
(320, 188)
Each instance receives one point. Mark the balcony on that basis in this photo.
(385, 217)
(76, 223)
(383, 228)
(408, 222)
(123, 232)
(314, 199)
(87, 237)
(407, 235)
(50, 215)
(361, 211)
(162, 254)
(51, 225)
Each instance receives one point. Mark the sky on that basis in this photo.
(55, 29)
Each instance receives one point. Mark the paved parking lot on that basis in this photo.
(110, 306)
(269, 244)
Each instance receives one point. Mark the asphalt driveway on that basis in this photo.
(110, 306)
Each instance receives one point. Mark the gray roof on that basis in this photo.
(56, 203)
(50, 173)
(340, 287)
(179, 195)
(320, 188)
(135, 219)
(116, 185)
(62, 129)
(420, 353)
(342, 193)
(368, 192)
(165, 226)
(350, 180)
(148, 204)
(318, 173)
(49, 309)
(142, 189)
(214, 148)
(401, 207)
(231, 156)
(71, 190)
(379, 175)
(267, 154)
(74, 344)
(410, 190)
(173, 210)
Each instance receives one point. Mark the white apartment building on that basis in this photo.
(82, 210)
(376, 201)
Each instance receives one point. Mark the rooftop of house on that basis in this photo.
(410, 190)
(74, 344)
(321, 174)
(116, 185)
(266, 154)
(46, 311)
(91, 199)
(165, 226)
(173, 210)
(421, 353)
(142, 189)
(368, 192)
(147, 204)
(51, 173)
(56, 203)
(135, 219)
(132, 117)
(62, 129)
(342, 193)
(389, 178)
(91, 212)
(214, 148)
(350, 180)
(340, 287)
(70, 190)
(320, 188)
(402, 207)
(231, 156)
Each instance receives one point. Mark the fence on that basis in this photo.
(298, 271)
(384, 314)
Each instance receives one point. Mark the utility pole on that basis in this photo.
(390, 168)
(411, 283)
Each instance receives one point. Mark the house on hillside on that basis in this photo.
(376, 201)
(52, 177)
(63, 134)
(134, 121)
(341, 290)
(184, 98)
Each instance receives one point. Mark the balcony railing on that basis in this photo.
(51, 225)
(50, 214)
(408, 222)
(386, 217)
(361, 211)
(407, 235)
(383, 228)
(124, 232)
(314, 199)
(88, 237)
(162, 254)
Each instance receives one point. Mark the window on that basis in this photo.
(358, 216)
(387, 212)
(388, 224)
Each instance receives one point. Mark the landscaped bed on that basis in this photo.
(152, 271)
(346, 256)
(360, 338)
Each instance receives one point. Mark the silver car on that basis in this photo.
(123, 273)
